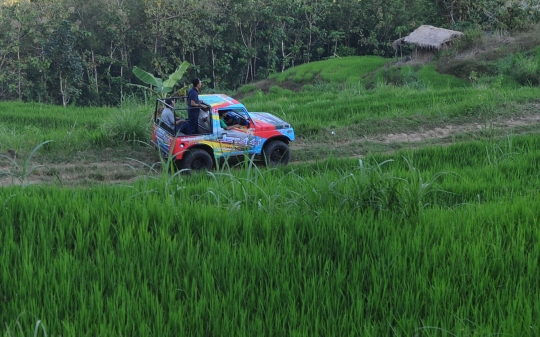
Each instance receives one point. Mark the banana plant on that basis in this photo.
(157, 85)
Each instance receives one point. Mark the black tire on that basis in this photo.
(276, 153)
(196, 160)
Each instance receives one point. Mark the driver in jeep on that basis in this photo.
(232, 120)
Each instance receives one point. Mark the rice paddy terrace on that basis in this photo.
(410, 209)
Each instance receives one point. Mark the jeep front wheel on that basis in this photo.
(196, 160)
(276, 153)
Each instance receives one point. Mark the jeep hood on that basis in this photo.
(268, 118)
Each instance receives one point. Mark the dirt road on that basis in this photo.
(110, 166)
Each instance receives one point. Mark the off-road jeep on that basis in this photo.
(263, 136)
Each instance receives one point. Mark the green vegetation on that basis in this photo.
(334, 248)
(434, 241)
(88, 53)
(247, 88)
(158, 86)
(437, 98)
(496, 57)
(26, 125)
(346, 69)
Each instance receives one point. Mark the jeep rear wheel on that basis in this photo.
(196, 160)
(276, 153)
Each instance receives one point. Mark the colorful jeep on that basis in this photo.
(264, 136)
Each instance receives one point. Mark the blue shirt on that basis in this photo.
(193, 95)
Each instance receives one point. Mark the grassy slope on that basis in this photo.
(489, 53)
(331, 248)
(362, 100)
(304, 250)
(321, 97)
(87, 145)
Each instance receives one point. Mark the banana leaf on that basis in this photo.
(176, 76)
(182, 91)
(163, 90)
(140, 86)
(146, 77)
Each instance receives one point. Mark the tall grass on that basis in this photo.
(127, 125)
(339, 101)
(440, 241)
(348, 98)
(25, 125)
(310, 111)
(526, 69)
(344, 69)
(314, 249)
(21, 172)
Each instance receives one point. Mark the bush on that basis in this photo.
(127, 125)
(246, 89)
(526, 70)
(343, 51)
(276, 90)
(471, 38)
(99, 138)
(430, 77)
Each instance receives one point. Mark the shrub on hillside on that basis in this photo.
(472, 38)
(392, 75)
(127, 125)
(343, 51)
(276, 90)
(432, 78)
(246, 89)
(526, 70)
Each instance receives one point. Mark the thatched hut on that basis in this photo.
(427, 41)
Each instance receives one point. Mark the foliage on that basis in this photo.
(295, 242)
(17, 329)
(428, 241)
(127, 125)
(22, 172)
(429, 75)
(65, 62)
(158, 86)
(348, 100)
(333, 70)
(240, 42)
(245, 89)
(470, 39)
(526, 69)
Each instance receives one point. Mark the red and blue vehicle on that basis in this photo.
(263, 136)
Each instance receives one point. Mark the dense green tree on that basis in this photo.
(227, 42)
(218, 54)
(314, 13)
(247, 18)
(66, 64)
(19, 27)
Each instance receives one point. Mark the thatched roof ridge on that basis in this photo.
(431, 37)
(396, 44)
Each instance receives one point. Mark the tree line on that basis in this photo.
(84, 51)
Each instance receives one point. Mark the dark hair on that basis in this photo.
(195, 81)
(169, 101)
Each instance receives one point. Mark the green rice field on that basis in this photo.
(424, 240)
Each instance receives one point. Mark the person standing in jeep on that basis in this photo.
(194, 105)
(266, 137)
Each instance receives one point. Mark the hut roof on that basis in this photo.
(431, 37)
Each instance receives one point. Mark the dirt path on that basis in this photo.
(117, 169)
(449, 130)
